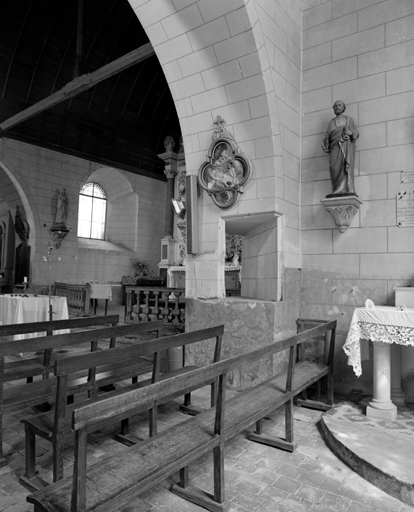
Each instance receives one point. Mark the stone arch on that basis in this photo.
(233, 59)
(16, 192)
(215, 61)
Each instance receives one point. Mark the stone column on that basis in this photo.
(169, 212)
(168, 242)
(397, 394)
(171, 168)
(381, 405)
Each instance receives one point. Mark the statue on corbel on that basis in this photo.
(339, 143)
(182, 222)
(226, 169)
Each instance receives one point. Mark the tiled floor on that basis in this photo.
(258, 478)
(353, 410)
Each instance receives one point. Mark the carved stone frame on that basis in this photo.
(226, 169)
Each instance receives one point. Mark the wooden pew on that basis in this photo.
(30, 367)
(150, 462)
(23, 394)
(104, 366)
(315, 349)
(77, 296)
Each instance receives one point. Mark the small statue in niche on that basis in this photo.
(233, 250)
(62, 209)
(339, 143)
(21, 226)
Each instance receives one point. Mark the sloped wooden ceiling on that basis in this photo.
(122, 121)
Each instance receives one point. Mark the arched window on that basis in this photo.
(92, 212)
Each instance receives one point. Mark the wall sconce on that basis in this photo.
(179, 208)
(57, 235)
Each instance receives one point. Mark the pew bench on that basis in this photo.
(40, 364)
(23, 394)
(148, 463)
(106, 366)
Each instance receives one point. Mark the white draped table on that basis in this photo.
(19, 309)
(101, 291)
(384, 326)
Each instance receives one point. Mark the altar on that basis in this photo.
(385, 326)
(25, 308)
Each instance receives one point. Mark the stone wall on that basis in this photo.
(362, 53)
(249, 324)
(32, 178)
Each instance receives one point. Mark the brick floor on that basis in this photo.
(258, 478)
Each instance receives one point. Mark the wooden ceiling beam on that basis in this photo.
(80, 84)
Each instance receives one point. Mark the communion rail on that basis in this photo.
(148, 304)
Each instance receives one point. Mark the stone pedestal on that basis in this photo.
(381, 405)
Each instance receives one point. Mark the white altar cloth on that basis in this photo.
(101, 291)
(19, 309)
(382, 323)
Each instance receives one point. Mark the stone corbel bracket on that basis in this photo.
(342, 209)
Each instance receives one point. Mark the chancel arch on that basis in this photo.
(232, 74)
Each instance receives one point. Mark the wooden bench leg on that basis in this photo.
(30, 479)
(124, 436)
(184, 477)
(289, 422)
(259, 427)
(317, 404)
(218, 460)
(286, 444)
(214, 503)
(153, 419)
(58, 449)
(3, 460)
(330, 388)
(186, 406)
(30, 452)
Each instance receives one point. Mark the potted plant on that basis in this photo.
(141, 267)
(145, 276)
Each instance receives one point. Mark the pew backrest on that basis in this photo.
(146, 347)
(65, 340)
(57, 325)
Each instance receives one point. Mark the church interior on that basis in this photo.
(231, 170)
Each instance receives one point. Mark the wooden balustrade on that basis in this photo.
(77, 297)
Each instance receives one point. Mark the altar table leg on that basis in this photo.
(397, 394)
(381, 405)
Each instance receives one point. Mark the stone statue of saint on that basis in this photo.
(21, 226)
(339, 143)
(62, 209)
